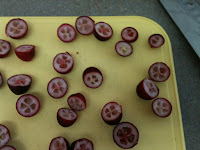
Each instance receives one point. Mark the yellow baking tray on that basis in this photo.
(121, 76)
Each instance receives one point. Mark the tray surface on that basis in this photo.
(121, 76)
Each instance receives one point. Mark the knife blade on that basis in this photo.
(186, 15)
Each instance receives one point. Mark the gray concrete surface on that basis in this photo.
(187, 63)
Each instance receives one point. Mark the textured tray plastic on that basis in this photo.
(121, 76)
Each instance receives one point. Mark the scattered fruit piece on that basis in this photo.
(66, 117)
(4, 135)
(156, 40)
(28, 105)
(125, 135)
(66, 33)
(57, 87)
(92, 77)
(123, 48)
(162, 107)
(5, 48)
(59, 143)
(159, 72)
(112, 113)
(129, 34)
(84, 25)
(77, 102)
(16, 28)
(103, 31)
(25, 52)
(82, 144)
(63, 63)
(19, 84)
(147, 90)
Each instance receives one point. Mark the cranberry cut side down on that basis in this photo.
(19, 84)
(66, 117)
(112, 113)
(59, 143)
(84, 25)
(77, 102)
(159, 72)
(16, 28)
(66, 33)
(28, 105)
(5, 48)
(92, 77)
(7, 147)
(82, 144)
(57, 87)
(63, 63)
(25, 52)
(129, 34)
(123, 48)
(103, 31)
(156, 40)
(125, 135)
(4, 135)
(162, 107)
(147, 90)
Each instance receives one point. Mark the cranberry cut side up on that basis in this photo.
(92, 77)
(63, 63)
(84, 25)
(59, 143)
(156, 40)
(4, 135)
(16, 28)
(57, 87)
(123, 48)
(129, 34)
(159, 72)
(112, 113)
(66, 33)
(82, 144)
(103, 31)
(162, 107)
(5, 48)
(125, 135)
(28, 105)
